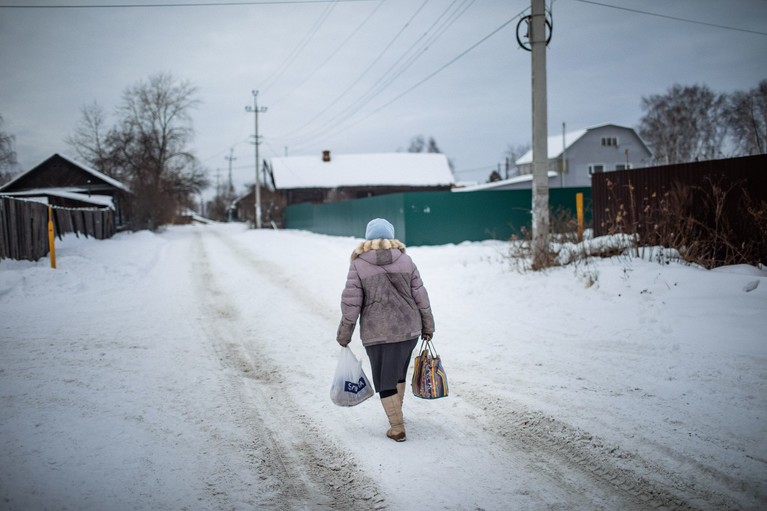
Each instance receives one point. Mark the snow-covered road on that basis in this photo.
(191, 370)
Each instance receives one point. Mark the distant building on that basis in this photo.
(583, 153)
(329, 177)
(513, 183)
(61, 181)
(589, 151)
(243, 208)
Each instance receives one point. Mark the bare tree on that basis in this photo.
(90, 139)
(432, 146)
(512, 154)
(685, 124)
(148, 147)
(8, 161)
(417, 144)
(747, 119)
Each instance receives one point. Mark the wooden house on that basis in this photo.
(328, 177)
(61, 181)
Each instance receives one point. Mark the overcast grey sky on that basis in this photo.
(335, 75)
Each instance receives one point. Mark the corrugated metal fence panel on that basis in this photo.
(347, 218)
(447, 217)
(300, 216)
(637, 192)
(433, 218)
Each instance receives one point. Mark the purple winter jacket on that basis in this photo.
(384, 290)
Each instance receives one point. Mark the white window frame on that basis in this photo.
(592, 168)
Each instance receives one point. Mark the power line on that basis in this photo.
(404, 62)
(427, 78)
(489, 166)
(339, 129)
(675, 18)
(332, 54)
(183, 4)
(282, 68)
(400, 65)
(342, 94)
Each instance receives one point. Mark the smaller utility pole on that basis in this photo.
(564, 158)
(256, 110)
(231, 158)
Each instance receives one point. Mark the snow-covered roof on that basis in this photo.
(112, 181)
(503, 184)
(384, 169)
(554, 143)
(554, 146)
(86, 168)
(77, 194)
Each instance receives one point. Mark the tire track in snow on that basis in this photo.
(297, 466)
(276, 275)
(703, 484)
(608, 465)
(512, 439)
(576, 484)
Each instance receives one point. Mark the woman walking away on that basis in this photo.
(384, 290)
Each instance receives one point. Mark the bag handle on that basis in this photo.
(429, 344)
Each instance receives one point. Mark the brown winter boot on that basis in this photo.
(393, 407)
(401, 392)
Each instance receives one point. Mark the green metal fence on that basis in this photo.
(434, 218)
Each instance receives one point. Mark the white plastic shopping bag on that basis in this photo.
(350, 385)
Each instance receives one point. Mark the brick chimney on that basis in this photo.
(325, 155)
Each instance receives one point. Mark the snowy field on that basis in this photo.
(190, 370)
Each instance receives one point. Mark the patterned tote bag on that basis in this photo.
(429, 378)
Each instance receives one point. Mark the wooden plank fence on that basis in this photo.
(24, 226)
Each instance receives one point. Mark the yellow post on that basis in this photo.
(51, 243)
(579, 210)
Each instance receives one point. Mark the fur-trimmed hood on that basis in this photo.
(377, 244)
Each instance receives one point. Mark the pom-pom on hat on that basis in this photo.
(379, 228)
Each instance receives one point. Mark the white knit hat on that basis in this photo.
(379, 228)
